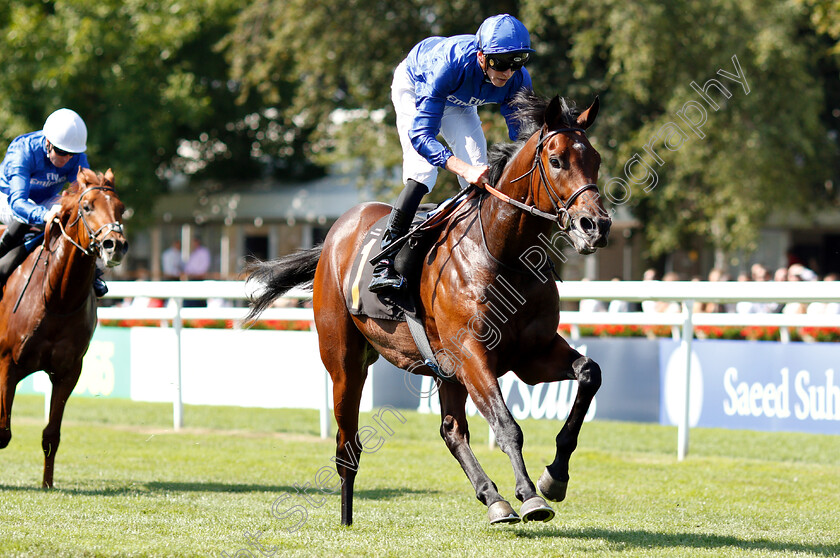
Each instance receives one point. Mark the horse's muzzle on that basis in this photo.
(112, 251)
(589, 232)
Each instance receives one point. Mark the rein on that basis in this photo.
(561, 215)
(442, 212)
(560, 208)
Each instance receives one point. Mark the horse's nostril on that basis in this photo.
(586, 225)
(108, 244)
(124, 247)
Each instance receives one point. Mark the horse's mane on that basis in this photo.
(530, 114)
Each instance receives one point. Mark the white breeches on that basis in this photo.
(460, 128)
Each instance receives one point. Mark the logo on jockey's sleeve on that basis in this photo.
(473, 102)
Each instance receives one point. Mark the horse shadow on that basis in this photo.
(109, 491)
(369, 494)
(156, 487)
(636, 538)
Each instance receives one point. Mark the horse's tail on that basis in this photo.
(277, 277)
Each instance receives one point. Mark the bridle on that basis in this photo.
(561, 214)
(94, 243)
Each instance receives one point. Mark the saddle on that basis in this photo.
(393, 304)
(400, 305)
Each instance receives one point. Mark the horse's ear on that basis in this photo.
(81, 177)
(587, 117)
(109, 177)
(553, 112)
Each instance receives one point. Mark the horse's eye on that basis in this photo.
(555, 162)
(87, 208)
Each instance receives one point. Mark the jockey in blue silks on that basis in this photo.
(436, 90)
(35, 170)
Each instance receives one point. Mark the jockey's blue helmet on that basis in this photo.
(501, 34)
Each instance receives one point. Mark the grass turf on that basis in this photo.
(126, 485)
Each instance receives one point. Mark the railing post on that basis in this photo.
(784, 334)
(177, 402)
(325, 408)
(324, 411)
(685, 345)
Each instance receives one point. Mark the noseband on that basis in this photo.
(94, 244)
(561, 214)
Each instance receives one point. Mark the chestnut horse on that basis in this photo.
(48, 309)
(480, 303)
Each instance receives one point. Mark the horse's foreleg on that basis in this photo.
(488, 398)
(62, 388)
(555, 478)
(562, 362)
(456, 434)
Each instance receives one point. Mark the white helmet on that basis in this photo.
(66, 130)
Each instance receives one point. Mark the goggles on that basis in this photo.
(507, 61)
(60, 152)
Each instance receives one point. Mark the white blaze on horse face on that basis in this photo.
(578, 146)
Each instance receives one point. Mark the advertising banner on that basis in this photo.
(747, 385)
(629, 389)
(105, 368)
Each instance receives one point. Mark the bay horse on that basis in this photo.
(48, 309)
(547, 178)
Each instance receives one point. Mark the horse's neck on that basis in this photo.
(69, 275)
(511, 232)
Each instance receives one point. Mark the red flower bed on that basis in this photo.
(751, 333)
(278, 325)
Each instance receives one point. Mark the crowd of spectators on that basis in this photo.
(794, 272)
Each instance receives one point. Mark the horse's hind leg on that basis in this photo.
(456, 434)
(347, 362)
(63, 385)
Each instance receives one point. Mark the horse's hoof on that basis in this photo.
(552, 488)
(501, 512)
(535, 509)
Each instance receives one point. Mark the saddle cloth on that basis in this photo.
(395, 304)
(390, 305)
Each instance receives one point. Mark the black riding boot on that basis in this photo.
(384, 275)
(12, 253)
(13, 236)
(100, 289)
(9, 263)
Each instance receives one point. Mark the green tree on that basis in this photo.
(762, 150)
(143, 75)
(328, 67)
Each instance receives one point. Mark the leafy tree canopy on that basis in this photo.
(148, 80)
(212, 89)
(764, 147)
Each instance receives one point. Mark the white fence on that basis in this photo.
(683, 323)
